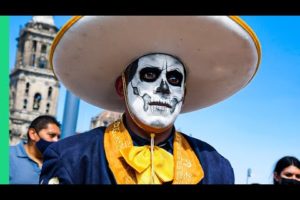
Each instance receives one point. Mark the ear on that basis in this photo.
(276, 176)
(119, 87)
(33, 135)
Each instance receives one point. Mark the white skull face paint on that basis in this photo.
(155, 93)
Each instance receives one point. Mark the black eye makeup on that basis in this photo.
(174, 78)
(149, 74)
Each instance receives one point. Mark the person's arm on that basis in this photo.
(53, 170)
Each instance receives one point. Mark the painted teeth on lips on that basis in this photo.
(156, 103)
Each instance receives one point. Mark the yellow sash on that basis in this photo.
(130, 165)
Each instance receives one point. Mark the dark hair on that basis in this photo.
(42, 122)
(284, 163)
(132, 67)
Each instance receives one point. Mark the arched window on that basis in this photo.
(27, 88)
(49, 92)
(34, 45)
(42, 62)
(32, 61)
(37, 101)
(44, 48)
(105, 123)
(25, 104)
(47, 107)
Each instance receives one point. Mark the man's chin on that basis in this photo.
(158, 124)
(154, 121)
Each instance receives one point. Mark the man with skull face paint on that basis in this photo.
(144, 146)
(155, 91)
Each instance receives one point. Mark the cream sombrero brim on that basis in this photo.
(221, 54)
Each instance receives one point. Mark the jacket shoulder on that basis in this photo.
(217, 168)
(200, 145)
(70, 159)
(79, 142)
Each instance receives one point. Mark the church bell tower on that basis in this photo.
(34, 89)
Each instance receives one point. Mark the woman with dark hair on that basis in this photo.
(287, 171)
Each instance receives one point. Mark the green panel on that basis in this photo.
(4, 96)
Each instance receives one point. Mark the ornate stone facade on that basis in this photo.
(104, 119)
(34, 89)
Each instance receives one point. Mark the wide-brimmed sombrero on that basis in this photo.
(221, 54)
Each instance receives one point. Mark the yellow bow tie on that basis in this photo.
(157, 170)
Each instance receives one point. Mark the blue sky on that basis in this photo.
(253, 128)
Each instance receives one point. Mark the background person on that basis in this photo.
(26, 158)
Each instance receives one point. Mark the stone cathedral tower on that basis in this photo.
(33, 87)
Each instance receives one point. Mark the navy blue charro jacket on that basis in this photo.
(81, 159)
